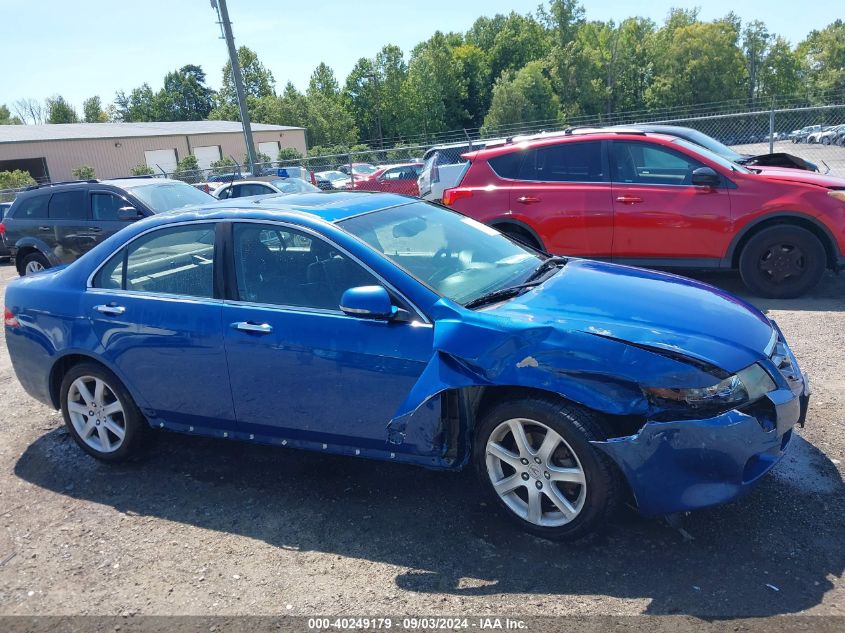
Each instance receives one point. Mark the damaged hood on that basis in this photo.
(658, 311)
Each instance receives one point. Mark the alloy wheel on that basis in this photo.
(33, 267)
(96, 413)
(535, 472)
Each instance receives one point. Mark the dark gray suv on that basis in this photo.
(55, 224)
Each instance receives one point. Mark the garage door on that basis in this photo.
(207, 155)
(163, 158)
(270, 148)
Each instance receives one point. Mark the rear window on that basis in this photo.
(507, 165)
(564, 162)
(31, 208)
(67, 205)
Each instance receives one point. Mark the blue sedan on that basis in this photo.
(374, 325)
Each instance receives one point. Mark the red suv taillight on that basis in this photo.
(10, 319)
(451, 195)
(313, 179)
(2, 229)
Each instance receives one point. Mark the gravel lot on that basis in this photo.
(213, 527)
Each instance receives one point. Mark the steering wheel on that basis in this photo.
(440, 259)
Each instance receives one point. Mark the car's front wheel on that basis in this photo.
(782, 262)
(100, 414)
(534, 459)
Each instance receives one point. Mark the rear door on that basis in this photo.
(658, 212)
(68, 224)
(562, 191)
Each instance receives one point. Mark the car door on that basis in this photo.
(157, 320)
(105, 207)
(67, 224)
(562, 191)
(658, 212)
(300, 368)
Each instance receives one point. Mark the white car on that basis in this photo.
(244, 188)
(443, 167)
(333, 179)
(816, 136)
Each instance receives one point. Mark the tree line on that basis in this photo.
(548, 65)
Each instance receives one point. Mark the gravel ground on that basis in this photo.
(217, 528)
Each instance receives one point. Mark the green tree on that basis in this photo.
(701, 63)
(288, 154)
(142, 170)
(92, 111)
(184, 97)
(60, 111)
(17, 179)
(521, 97)
(223, 166)
(258, 80)
(823, 55)
(521, 39)
(6, 117)
(755, 45)
(138, 105)
(188, 169)
(780, 73)
(373, 94)
(84, 172)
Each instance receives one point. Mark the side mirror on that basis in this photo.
(129, 214)
(706, 177)
(368, 302)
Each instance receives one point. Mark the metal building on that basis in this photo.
(52, 152)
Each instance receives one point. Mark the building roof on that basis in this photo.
(75, 131)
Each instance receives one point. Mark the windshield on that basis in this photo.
(364, 169)
(166, 196)
(455, 256)
(333, 175)
(716, 158)
(293, 185)
(708, 142)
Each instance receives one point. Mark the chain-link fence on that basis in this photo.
(813, 133)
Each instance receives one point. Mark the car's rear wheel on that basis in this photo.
(782, 262)
(34, 263)
(100, 414)
(534, 459)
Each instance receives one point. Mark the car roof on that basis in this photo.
(327, 206)
(572, 135)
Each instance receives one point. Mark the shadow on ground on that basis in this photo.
(784, 534)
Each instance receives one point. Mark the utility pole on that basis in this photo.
(226, 26)
(374, 77)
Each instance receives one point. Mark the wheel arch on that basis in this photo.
(792, 218)
(28, 245)
(502, 224)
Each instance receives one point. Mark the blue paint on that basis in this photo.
(593, 333)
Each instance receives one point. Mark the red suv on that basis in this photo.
(656, 200)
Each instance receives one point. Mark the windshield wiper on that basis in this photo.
(546, 265)
(500, 295)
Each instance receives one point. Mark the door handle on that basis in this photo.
(248, 326)
(111, 310)
(44, 228)
(96, 229)
(528, 199)
(629, 199)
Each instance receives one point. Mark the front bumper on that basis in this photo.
(689, 464)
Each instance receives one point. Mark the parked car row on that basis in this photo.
(821, 134)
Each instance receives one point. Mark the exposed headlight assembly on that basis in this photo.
(745, 386)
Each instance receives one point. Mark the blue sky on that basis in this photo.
(79, 49)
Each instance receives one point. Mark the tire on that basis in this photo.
(826, 141)
(103, 440)
(782, 262)
(592, 496)
(33, 263)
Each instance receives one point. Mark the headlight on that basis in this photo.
(839, 194)
(746, 385)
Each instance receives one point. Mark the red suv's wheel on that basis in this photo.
(782, 262)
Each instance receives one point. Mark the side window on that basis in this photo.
(105, 206)
(281, 266)
(644, 163)
(508, 165)
(67, 205)
(392, 174)
(565, 162)
(254, 190)
(225, 193)
(177, 261)
(110, 276)
(32, 208)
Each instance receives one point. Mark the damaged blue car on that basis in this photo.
(374, 325)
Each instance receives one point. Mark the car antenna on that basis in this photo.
(238, 166)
